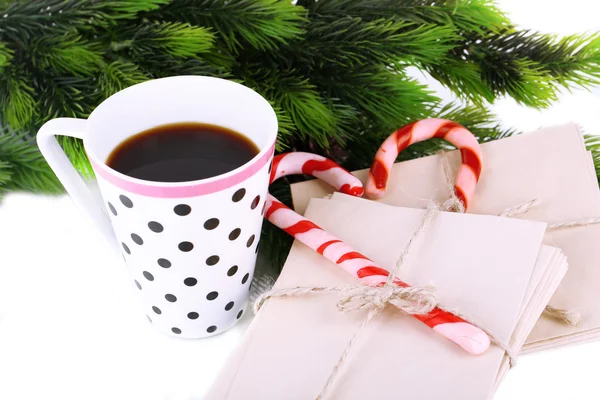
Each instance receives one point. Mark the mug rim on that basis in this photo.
(128, 183)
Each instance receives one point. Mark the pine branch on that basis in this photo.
(6, 55)
(387, 99)
(73, 148)
(285, 127)
(524, 81)
(67, 53)
(299, 99)
(463, 78)
(263, 24)
(353, 41)
(163, 66)
(581, 64)
(173, 39)
(118, 75)
(480, 16)
(17, 103)
(219, 56)
(26, 167)
(128, 9)
(64, 96)
(572, 60)
(68, 96)
(5, 174)
(26, 19)
(529, 67)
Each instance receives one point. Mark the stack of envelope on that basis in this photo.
(495, 270)
(550, 165)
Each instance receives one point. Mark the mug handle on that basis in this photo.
(73, 182)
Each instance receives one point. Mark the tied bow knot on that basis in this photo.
(410, 300)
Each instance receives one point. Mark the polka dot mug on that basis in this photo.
(190, 247)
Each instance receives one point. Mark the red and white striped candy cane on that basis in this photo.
(467, 336)
(458, 135)
(319, 167)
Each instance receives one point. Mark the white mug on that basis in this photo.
(190, 247)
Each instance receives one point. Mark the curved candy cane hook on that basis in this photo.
(318, 166)
(458, 135)
(469, 337)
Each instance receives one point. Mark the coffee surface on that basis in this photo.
(182, 152)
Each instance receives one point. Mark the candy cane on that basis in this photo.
(468, 173)
(467, 336)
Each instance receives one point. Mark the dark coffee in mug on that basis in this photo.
(182, 152)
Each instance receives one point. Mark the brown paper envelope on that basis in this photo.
(293, 344)
(552, 165)
(539, 283)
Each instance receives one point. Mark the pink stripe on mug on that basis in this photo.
(195, 188)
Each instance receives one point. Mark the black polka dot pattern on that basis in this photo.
(212, 295)
(170, 298)
(155, 227)
(212, 260)
(148, 276)
(182, 210)
(126, 201)
(235, 234)
(186, 246)
(189, 287)
(255, 202)
(239, 195)
(137, 239)
(190, 281)
(211, 224)
(245, 278)
(163, 262)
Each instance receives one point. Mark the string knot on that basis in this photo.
(410, 300)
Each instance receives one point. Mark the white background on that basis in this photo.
(70, 327)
